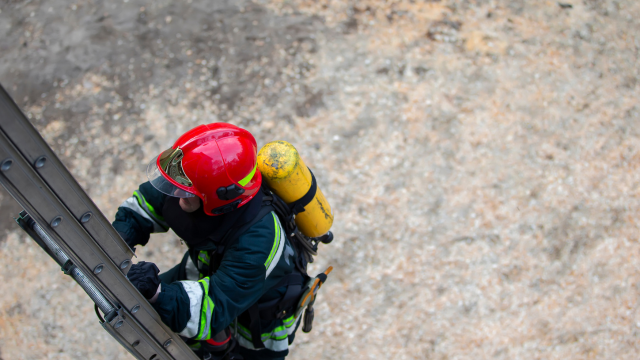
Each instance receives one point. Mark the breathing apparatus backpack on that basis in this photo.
(290, 190)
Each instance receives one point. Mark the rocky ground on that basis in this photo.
(482, 160)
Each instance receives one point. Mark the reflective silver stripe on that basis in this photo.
(276, 258)
(277, 339)
(194, 290)
(132, 203)
(192, 270)
(149, 209)
(279, 332)
(275, 345)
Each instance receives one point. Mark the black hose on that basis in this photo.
(98, 313)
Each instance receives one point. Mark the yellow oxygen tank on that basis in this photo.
(289, 178)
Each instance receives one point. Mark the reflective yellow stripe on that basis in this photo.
(206, 312)
(278, 333)
(248, 178)
(143, 202)
(288, 322)
(276, 242)
(204, 257)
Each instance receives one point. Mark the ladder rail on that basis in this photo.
(55, 252)
(42, 185)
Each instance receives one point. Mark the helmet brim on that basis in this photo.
(157, 179)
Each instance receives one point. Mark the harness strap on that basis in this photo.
(292, 291)
(216, 257)
(276, 308)
(254, 326)
(295, 282)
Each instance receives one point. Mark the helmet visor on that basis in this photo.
(157, 179)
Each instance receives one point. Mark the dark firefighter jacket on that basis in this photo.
(200, 306)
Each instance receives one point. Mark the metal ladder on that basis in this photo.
(65, 222)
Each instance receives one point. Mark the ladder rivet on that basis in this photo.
(39, 163)
(118, 324)
(167, 343)
(6, 165)
(56, 221)
(124, 264)
(135, 309)
(136, 343)
(98, 269)
(85, 217)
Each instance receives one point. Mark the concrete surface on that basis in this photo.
(481, 159)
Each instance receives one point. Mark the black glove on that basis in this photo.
(144, 276)
(127, 240)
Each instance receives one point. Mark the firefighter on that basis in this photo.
(240, 280)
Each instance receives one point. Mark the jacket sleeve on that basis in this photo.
(200, 309)
(140, 215)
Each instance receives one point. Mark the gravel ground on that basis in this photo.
(481, 159)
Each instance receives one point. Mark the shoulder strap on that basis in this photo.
(287, 219)
(236, 231)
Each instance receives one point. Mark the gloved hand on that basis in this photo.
(144, 276)
(126, 239)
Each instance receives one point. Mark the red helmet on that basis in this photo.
(215, 162)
